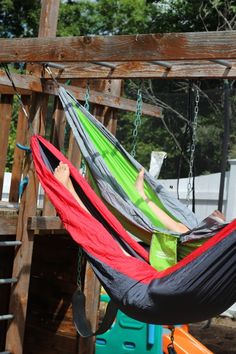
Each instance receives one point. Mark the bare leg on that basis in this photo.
(62, 174)
(164, 218)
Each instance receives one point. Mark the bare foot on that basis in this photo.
(62, 174)
(139, 183)
(218, 215)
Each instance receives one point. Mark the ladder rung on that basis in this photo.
(8, 280)
(10, 243)
(6, 317)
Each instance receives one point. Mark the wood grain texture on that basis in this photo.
(143, 47)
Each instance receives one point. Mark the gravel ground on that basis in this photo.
(219, 336)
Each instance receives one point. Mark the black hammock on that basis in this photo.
(200, 286)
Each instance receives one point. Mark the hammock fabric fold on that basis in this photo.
(113, 172)
(200, 286)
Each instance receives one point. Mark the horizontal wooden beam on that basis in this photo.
(43, 223)
(143, 47)
(8, 224)
(27, 82)
(8, 90)
(179, 70)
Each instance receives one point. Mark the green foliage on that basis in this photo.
(105, 17)
(19, 18)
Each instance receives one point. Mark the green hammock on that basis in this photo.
(113, 172)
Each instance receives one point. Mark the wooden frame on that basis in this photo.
(163, 56)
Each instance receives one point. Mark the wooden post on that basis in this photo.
(19, 154)
(23, 256)
(5, 121)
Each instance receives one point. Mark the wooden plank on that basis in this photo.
(49, 327)
(44, 223)
(57, 138)
(142, 47)
(92, 292)
(5, 122)
(133, 70)
(110, 117)
(8, 224)
(23, 258)
(48, 18)
(18, 157)
(7, 90)
(49, 87)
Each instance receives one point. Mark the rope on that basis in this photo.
(79, 268)
(8, 73)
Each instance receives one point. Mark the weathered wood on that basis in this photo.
(142, 47)
(5, 122)
(17, 166)
(49, 87)
(48, 18)
(44, 223)
(57, 138)
(132, 70)
(74, 154)
(23, 257)
(58, 125)
(49, 325)
(8, 224)
(7, 90)
(92, 291)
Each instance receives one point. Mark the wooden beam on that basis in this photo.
(8, 224)
(6, 103)
(23, 258)
(49, 87)
(44, 223)
(133, 70)
(142, 47)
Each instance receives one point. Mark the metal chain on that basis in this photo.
(171, 345)
(86, 106)
(193, 145)
(87, 97)
(137, 121)
(79, 268)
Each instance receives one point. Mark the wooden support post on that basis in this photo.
(5, 122)
(92, 291)
(18, 153)
(23, 256)
(57, 138)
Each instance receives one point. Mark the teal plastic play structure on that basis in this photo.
(128, 336)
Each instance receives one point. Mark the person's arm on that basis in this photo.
(170, 223)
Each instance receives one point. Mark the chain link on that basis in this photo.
(137, 121)
(193, 145)
(79, 268)
(171, 345)
(87, 97)
(87, 107)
